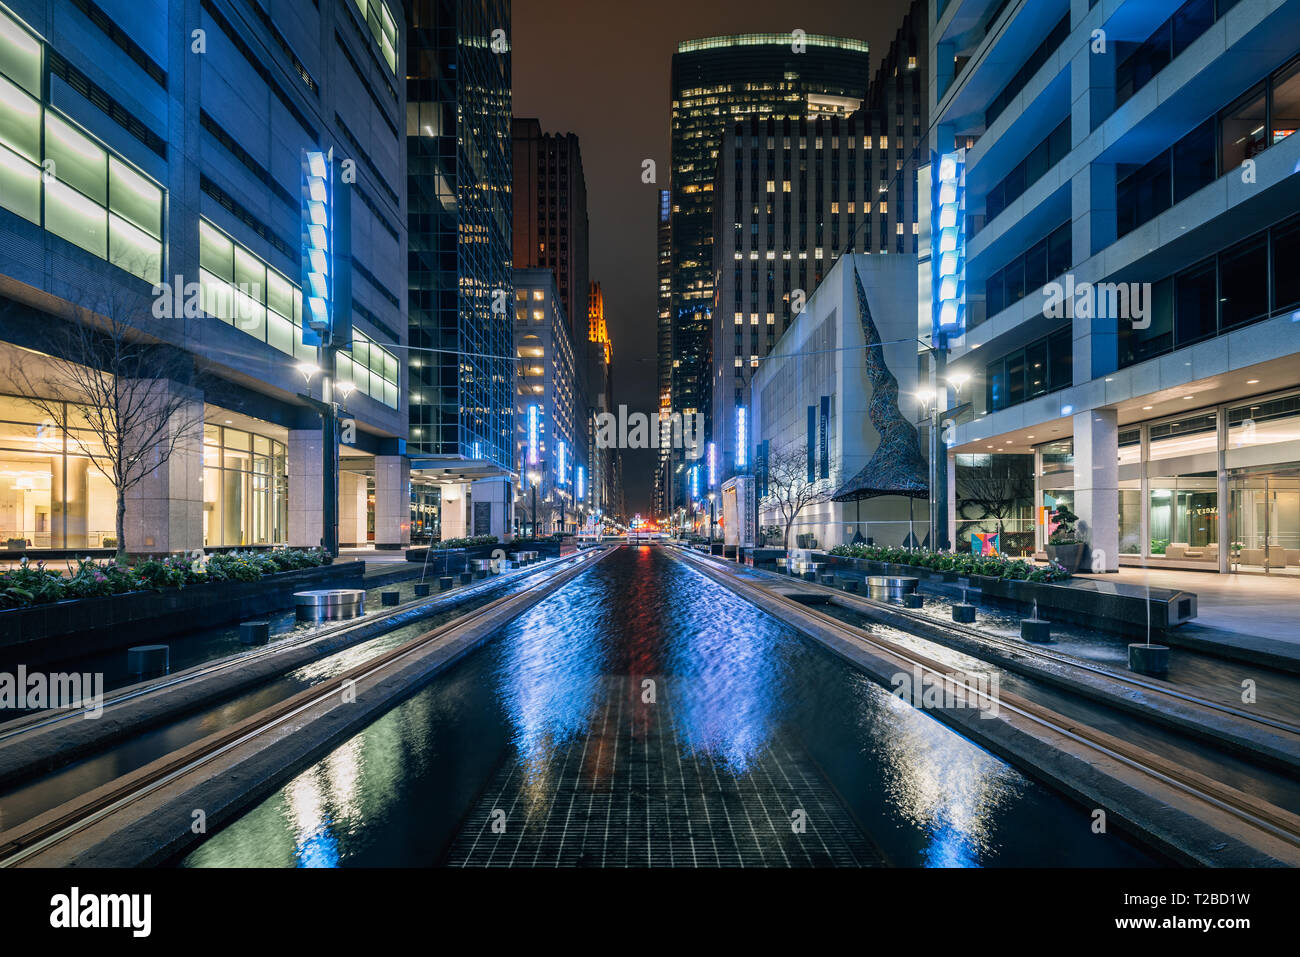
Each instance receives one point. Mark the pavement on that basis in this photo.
(1255, 616)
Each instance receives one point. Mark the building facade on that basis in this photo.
(153, 157)
(550, 443)
(811, 396)
(461, 363)
(550, 212)
(1130, 191)
(715, 82)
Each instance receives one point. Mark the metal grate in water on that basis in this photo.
(628, 793)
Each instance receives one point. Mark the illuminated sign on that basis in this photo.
(713, 465)
(742, 440)
(532, 434)
(582, 483)
(559, 462)
(326, 253)
(948, 250)
(695, 481)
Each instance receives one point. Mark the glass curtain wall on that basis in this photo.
(245, 488)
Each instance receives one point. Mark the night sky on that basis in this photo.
(601, 68)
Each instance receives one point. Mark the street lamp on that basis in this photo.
(533, 478)
(711, 498)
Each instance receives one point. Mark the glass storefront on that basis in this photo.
(1266, 521)
(1181, 504)
(245, 488)
(52, 495)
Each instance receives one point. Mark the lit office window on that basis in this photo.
(382, 28)
(92, 198)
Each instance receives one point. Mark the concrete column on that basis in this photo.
(164, 510)
(1225, 526)
(306, 525)
(352, 509)
(1146, 493)
(495, 494)
(1096, 486)
(393, 502)
(454, 523)
(1038, 499)
(950, 507)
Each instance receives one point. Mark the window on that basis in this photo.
(92, 198)
(1286, 251)
(1284, 112)
(1041, 367)
(1195, 298)
(1243, 283)
(1245, 127)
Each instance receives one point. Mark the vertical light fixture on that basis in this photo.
(948, 256)
(742, 439)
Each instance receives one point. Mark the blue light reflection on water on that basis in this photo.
(739, 683)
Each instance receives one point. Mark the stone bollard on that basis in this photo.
(390, 597)
(963, 613)
(1036, 630)
(1150, 660)
(254, 632)
(850, 585)
(445, 583)
(147, 661)
(466, 577)
(422, 589)
(913, 600)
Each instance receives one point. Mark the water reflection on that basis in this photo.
(553, 724)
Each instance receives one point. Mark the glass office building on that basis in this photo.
(1130, 220)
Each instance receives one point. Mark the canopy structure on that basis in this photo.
(897, 466)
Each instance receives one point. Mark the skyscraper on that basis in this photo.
(716, 81)
(460, 292)
(790, 197)
(550, 213)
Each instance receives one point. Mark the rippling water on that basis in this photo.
(645, 716)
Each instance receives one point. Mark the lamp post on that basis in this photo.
(533, 479)
(328, 409)
(711, 514)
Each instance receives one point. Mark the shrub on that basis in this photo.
(1012, 569)
(465, 542)
(34, 584)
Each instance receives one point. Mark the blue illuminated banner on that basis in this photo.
(948, 246)
(713, 465)
(532, 434)
(695, 482)
(326, 236)
(582, 483)
(559, 463)
(742, 440)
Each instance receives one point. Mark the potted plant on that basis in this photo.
(1065, 547)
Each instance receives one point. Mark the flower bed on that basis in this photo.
(32, 583)
(464, 542)
(1010, 569)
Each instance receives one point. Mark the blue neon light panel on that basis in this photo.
(948, 249)
(326, 236)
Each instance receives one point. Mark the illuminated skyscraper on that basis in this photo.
(715, 82)
(460, 292)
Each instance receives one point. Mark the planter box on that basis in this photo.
(83, 626)
(1110, 606)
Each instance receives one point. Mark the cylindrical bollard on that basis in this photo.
(1036, 630)
(390, 597)
(146, 661)
(254, 632)
(963, 613)
(422, 589)
(445, 583)
(1151, 660)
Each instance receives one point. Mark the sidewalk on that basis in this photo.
(1254, 617)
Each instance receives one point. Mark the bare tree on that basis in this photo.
(999, 487)
(121, 386)
(789, 491)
